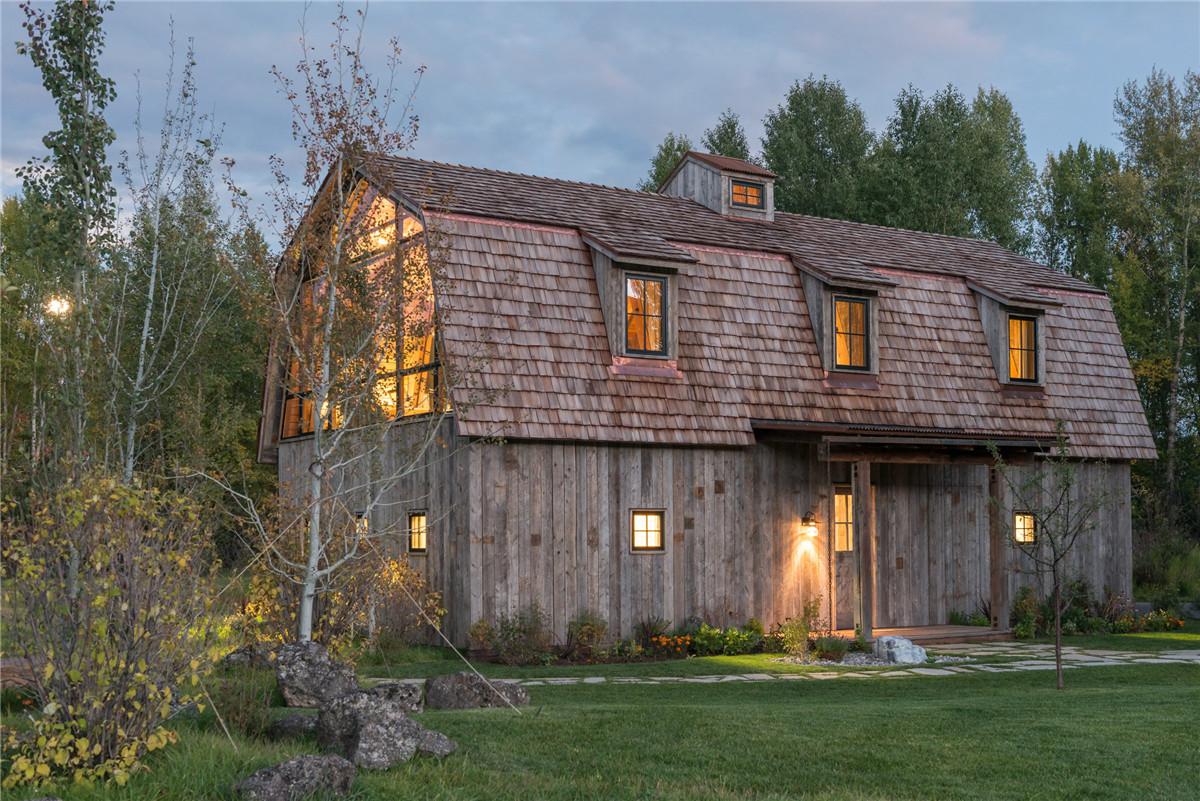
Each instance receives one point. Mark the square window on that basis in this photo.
(745, 193)
(1024, 527)
(851, 345)
(843, 519)
(645, 315)
(1022, 348)
(646, 529)
(418, 533)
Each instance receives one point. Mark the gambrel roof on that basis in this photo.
(521, 281)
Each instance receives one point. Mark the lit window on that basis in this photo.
(744, 193)
(850, 333)
(647, 531)
(418, 533)
(362, 525)
(645, 315)
(1024, 527)
(843, 519)
(1022, 348)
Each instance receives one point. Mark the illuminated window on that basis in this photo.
(647, 530)
(645, 315)
(1022, 348)
(744, 193)
(1024, 527)
(418, 533)
(850, 333)
(362, 525)
(843, 519)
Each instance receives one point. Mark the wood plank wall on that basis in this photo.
(523, 521)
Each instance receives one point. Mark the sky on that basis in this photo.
(587, 90)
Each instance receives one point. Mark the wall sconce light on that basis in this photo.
(808, 525)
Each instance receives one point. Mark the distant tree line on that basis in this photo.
(1127, 221)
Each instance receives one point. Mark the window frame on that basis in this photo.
(865, 302)
(847, 491)
(1037, 372)
(735, 183)
(662, 531)
(665, 316)
(408, 539)
(1030, 530)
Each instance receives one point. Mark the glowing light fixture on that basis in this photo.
(58, 306)
(808, 525)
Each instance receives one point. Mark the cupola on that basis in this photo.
(729, 186)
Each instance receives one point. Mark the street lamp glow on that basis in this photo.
(58, 306)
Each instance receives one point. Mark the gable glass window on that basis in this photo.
(645, 315)
(1022, 348)
(850, 345)
(1024, 527)
(418, 533)
(647, 530)
(745, 193)
(843, 519)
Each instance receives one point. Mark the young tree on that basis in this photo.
(1062, 512)
(1077, 213)
(670, 151)
(727, 137)
(816, 142)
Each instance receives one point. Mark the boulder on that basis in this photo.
(292, 727)
(298, 779)
(1190, 610)
(257, 655)
(899, 651)
(375, 733)
(409, 694)
(469, 691)
(309, 678)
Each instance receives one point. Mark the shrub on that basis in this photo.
(584, 634)
(754, 626)
(522, 638)
(482, 635)
(688, 627)
(831, 648)
(794, 634)
(1026, 615)
(709, 640)
(739, 641)
(671, 645)
(1160, 620)
(647, 629)
(113, 585)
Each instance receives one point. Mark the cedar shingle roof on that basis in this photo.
(729, 163)
(522, 283)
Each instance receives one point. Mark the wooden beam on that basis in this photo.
(864, 549)
(997, 550)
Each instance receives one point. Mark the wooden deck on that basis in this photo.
(936, 635)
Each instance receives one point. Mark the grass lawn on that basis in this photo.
(1187, 637)
(1115, 733)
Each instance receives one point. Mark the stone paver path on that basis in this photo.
(1013, 656)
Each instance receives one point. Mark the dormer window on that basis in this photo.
(645, 315)
(851, 346)
(747, 194)
(1022, 348)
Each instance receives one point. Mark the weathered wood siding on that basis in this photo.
(518, 522)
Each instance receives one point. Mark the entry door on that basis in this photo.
(843, 555)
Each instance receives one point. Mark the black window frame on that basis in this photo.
(865, 302)
(664, 351)
(662, 530)
(1037, 371)
(409, 532)
(762, 194)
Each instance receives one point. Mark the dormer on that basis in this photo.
(1015, 326)
(731, 187)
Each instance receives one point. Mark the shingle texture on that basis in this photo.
(521, 307)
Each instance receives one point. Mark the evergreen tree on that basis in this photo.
(816, 142)
(670, 151)
(727, 137)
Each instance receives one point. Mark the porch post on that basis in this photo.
(997, 550)
(864, 549)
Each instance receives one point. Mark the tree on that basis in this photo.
(71, 188)
(727, 137)
(951, 168)
(1160, 206)
(1062, 513)
(817, 142)
(1077, 213)
(672, 148)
